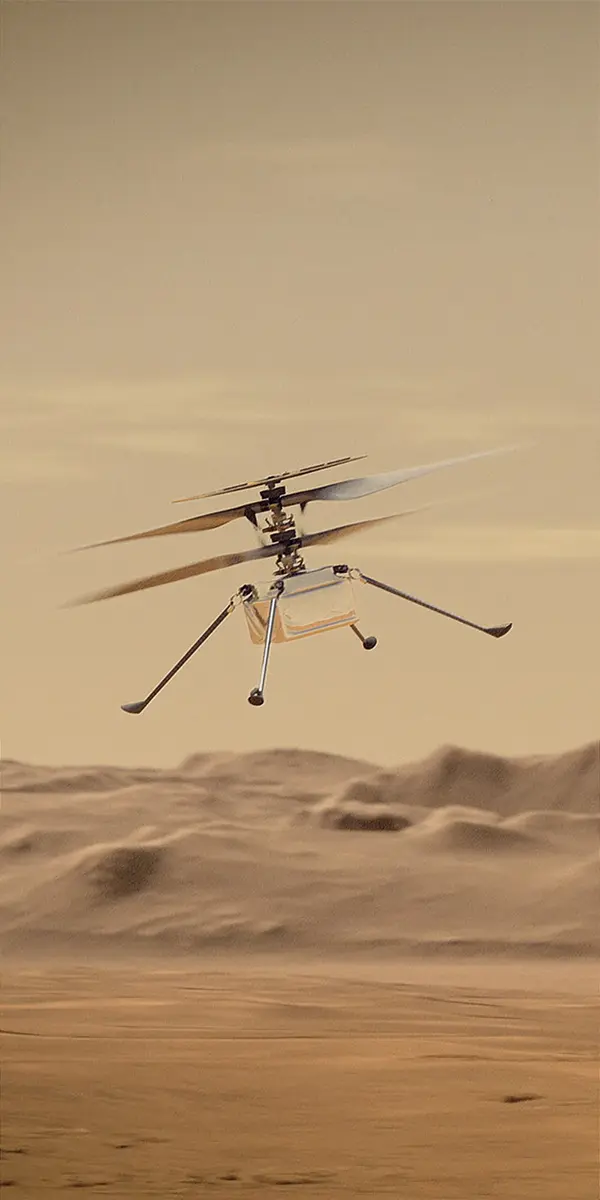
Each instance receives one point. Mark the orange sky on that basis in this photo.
(240, 237)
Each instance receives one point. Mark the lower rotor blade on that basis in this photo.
(222, 561)
(342, 531)
(178, 573)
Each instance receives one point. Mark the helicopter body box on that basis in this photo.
(311, 602)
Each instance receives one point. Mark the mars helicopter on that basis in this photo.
(297, 602)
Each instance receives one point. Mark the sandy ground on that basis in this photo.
(248, 1080)
(289, 971)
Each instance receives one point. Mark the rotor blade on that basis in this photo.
(197, 524)
(352, 489)
(178, 573)
(240, 487)
(190, 525)
(340, 531)
(222, 561)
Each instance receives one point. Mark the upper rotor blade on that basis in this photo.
(232, 560)
(349, 489)
(352, 489)
(240, 487)
(190, 525)
(208, 521)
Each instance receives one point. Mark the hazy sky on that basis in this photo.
(241, 237)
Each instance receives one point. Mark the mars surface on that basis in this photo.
(286, 971)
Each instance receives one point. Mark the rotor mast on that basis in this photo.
(281, 528)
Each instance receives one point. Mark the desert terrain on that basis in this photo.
(289, 971)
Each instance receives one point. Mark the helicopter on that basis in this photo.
(297, 602)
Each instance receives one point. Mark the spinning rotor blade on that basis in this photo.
(341, 531)
(241, 487)
(173, 576)
(349, 489)
(222, 561)
(352, 489)
(189, 525)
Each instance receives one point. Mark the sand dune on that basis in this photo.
(464, 852)
(567, 782)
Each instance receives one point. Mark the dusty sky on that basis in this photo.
(242, 237)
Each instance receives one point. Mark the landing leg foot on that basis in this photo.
(256, 697)
(368, 643)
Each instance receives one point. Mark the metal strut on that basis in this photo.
(140, 705)
(257, 696)
(496, 631)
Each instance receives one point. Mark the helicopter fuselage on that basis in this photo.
(309, 602)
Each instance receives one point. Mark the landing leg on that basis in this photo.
(140, 705)
(369, 643)
(257, 696)
(495, 631)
